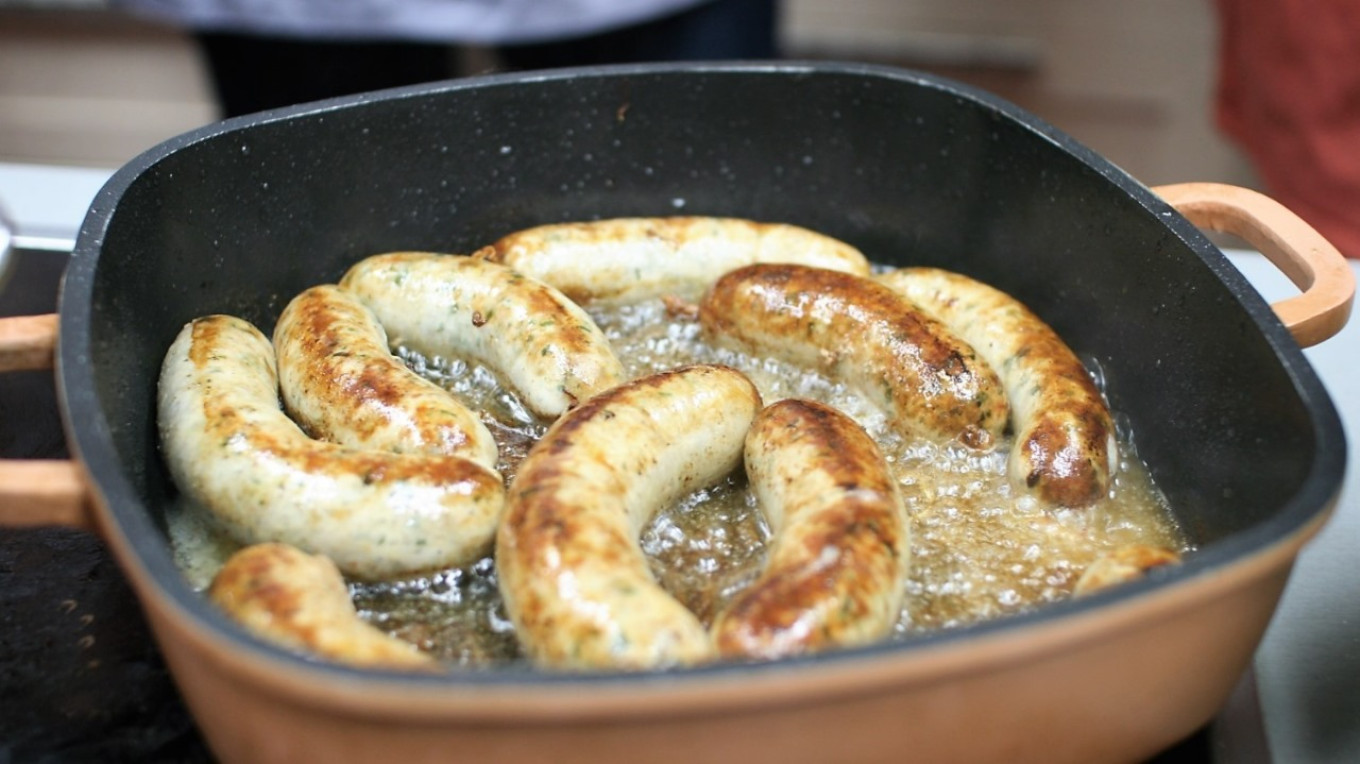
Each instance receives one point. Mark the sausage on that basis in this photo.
(230, 448)
(1064, 449)
(574, 581)
(836, 571)
(300, 602)
(543, 345)
(341, 383)
(1126, 563)
(859, 331)
(630, 259)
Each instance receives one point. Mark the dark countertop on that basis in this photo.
(80, 677)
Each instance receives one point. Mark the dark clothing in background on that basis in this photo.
(252, 73)
(256, 72)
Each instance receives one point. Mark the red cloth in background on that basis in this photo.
(1289, 94)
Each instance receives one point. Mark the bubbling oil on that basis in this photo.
(979, 549)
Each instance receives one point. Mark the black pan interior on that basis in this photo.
(238, 217)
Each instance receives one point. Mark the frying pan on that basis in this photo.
(1232, 422)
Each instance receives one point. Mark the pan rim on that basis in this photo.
(126, 521)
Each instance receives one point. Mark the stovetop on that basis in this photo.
(80, 677)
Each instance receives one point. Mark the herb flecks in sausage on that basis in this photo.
(543, 345)
(858, 330)
(341, 383)
(1064, 435)
(630, 259)
(573, 578)
(234, 451)
(840, 538)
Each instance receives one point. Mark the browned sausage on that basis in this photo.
(1064, 436)
(574, 580)
(299, 601)
(376, 514)
(340, 382)
(1127, 563)
(837, 565)
(858, 330)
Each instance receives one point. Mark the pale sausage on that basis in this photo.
(543, 345)
(231, 448)
(574, 580)
(630, 259)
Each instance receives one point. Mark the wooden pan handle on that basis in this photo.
(27, 342)
(43, 492)
(1299, 251)
(37, 492)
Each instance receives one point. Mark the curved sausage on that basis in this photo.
(340, 382)
(574, 580)
(859, 331)
(543, 345)
(1064, 436)
(230, 447)
(299, 601)
(1126, 563)
(840, 540)
(629, 259)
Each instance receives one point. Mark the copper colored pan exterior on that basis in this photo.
(1117, 685)
(1229, 417)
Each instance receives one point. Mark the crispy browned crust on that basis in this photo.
(1127, 563)
(300, 602)
(856, 329)
(837, 565)
(567, 519)
(320, 458)
(355, 378)
(1067, 450)
(1063, 445)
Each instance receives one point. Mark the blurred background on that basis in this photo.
(82, 84)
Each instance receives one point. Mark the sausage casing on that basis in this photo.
(543, 345)
(836, 570)
(859, 331)
(1121, 565)
(574, 580)
(300, 602)
(1064, 447)
(340, 382)
(629, 259)
(230, 448)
